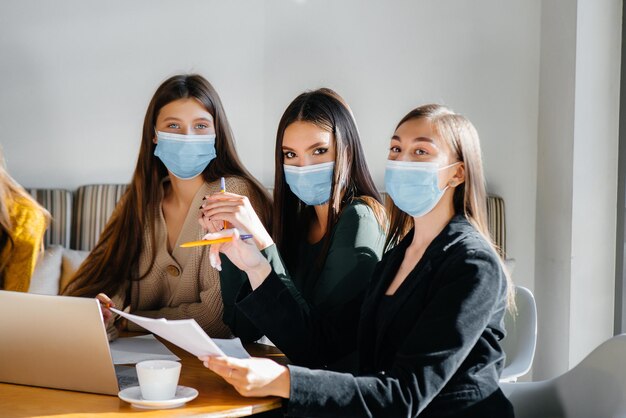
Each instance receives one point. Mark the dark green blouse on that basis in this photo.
(356, 245)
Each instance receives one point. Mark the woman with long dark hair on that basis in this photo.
(430, 325)
(187, 146)
(329, 224)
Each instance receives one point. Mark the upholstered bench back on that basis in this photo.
(59, 204)
(94, 205)
(78, 218)
(77, 223)
(497, 226)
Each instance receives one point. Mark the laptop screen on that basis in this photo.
(56, 342)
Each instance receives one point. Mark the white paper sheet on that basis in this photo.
(232, 347)
(132, 350)
(187, 334)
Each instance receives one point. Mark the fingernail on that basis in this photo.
(204, 198)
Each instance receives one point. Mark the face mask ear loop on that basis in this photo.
(450, 165)
(443, 168)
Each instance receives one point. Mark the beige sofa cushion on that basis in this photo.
(70, 261)
(54, 270)
(47, 274)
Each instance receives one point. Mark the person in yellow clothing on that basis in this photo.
(23, 223)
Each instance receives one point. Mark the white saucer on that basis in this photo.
(183, 395)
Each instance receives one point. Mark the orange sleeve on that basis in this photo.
(29, 226)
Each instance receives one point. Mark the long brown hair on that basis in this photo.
(116, 256)
(470, 197)
(351, 177)
(10, 191)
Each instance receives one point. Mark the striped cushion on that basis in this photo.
(93, 205)
(495, 219)
(497, 226)
(59, 203)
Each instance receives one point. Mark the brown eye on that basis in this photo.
(289, 154)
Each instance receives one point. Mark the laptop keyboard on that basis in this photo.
(126, 376)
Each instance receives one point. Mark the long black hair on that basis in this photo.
(351, 177)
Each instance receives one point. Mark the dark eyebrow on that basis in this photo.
(420, 138)
(171, 118)
(316, 145)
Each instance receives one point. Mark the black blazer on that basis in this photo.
(433, 352)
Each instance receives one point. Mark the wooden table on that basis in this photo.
(216, 398)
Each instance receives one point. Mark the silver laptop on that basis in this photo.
(57, 342)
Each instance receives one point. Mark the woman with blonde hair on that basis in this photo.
(23, 223)
(432, 318)
(187, 146)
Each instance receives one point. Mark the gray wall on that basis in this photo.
(81, 73)
(577, 179)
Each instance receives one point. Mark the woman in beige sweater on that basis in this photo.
(187, 145)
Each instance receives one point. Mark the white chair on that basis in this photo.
(521, 336)
(596, 387)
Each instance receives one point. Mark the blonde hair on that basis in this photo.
(470, 197)
(10, 190)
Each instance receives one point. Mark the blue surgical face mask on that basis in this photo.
(185, 156)
(414, 186)
(311, 183)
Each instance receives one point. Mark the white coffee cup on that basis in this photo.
(158, 379)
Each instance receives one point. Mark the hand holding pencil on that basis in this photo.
(242, 253)
(237, 212)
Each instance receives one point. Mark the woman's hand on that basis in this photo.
(243, 254)
(252, 377)
(105, 304)
(237, 211)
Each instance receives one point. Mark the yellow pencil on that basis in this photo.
(212, 241)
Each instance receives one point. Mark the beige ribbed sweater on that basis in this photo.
(183, 284)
